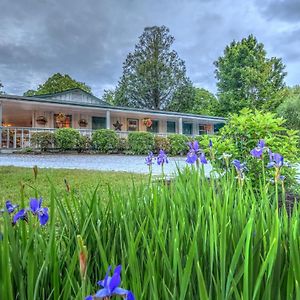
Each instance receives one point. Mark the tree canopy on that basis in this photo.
(153, 73)
(58, 83)
(290, 108)
(197, 101)
(246, 77)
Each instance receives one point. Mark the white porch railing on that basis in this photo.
(20, 137)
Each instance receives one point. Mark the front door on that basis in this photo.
(98, 123)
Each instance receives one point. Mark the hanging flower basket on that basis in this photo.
(83, 122)
(147, 122)
(41, 120)
(60, 119)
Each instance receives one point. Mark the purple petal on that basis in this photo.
(103, 293)
(90, 297)
(271, 164)
(10, 207)
(130, 296)
(191, 157)
(210, 143)
(118, 269)
(120, 292)
(196, 146)
(114, 282)
(261, 144)
(34, 205)
(105, 283)
(203, 158)
(21, 214)
(257, 152)
(43, 216)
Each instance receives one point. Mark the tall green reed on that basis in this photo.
(196, 238)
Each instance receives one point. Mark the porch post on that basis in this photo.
(33, 119)
(108, 119)
(0, 124)
(180, 126)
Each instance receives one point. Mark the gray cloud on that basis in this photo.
(90, 39)
(285, 10)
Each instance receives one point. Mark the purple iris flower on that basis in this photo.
(149, 159)
(110, 286)
(261, 144)
(240, 167)
(162, 158)
(194, 146)
(210, 144)
(194, 154)
(36, 208)
(9, 207)
(20, 215)
(191, 157)
(276, 160)
(259, 149)
(203, 159)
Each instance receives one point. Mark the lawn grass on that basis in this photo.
(12, 178)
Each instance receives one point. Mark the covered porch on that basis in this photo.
(19, 119)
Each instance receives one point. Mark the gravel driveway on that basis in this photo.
(118, 163)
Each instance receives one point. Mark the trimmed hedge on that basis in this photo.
(178, 144)
(140, 142)
(43, 140)
(66, 138)
(161, 142)
(105, 140)
(83, 144)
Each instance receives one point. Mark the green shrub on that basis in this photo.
(122, 145)
(178, 144)
(140, 142)
(161, 142)
(43, 140)
(66, 138)
(105, 140)
(242, 133)
(83, 143)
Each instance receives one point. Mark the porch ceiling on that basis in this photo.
(12, 107)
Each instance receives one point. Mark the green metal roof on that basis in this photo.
(52, 95)
(105, 105)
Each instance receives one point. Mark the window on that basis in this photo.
(171, 127)
(154, 127)
(98, 123)
(67, 123)
(202, 129)
(187, 128)
(133, 125)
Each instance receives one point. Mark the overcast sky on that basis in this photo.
(89, 39)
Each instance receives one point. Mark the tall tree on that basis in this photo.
(152, 73)
(290, 108)
(246, 77)
(197, 101)
(58, 83)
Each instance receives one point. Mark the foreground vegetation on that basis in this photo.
(213, 239)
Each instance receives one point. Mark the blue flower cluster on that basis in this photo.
(161, 158)
(111, 287)
(35, 207)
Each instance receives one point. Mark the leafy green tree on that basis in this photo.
(246, 77)
(290, 108)
(58, 83)
(194, 100)
(153, 73)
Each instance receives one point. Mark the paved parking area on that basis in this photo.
(118, 163)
